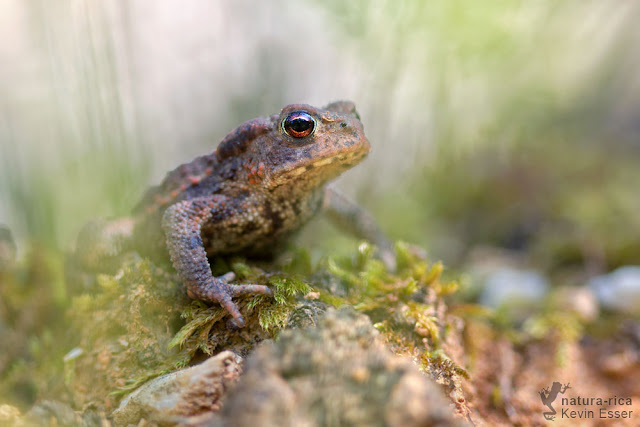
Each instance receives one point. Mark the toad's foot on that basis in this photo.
(182, 225)
(219, 290)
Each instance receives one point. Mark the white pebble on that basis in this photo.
(619, 290)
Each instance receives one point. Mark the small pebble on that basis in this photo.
(619, 290)
(507, 287)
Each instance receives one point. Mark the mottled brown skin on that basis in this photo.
(263, 182)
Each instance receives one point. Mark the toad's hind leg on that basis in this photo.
(182, 224)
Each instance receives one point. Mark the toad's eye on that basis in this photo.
(299, 124)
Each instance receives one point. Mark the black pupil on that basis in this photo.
(299, 123)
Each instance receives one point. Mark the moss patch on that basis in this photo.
(139, 323)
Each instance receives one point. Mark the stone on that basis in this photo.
(177, 397)
(337, 373)
(508, 287)
(619, 290)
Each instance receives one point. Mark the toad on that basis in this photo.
(264, 181)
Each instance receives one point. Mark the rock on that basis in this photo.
(181, 396)
(337, 373)
(509, 287)
(306, 314)
(619, 290)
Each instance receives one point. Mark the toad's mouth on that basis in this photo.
(321, 170)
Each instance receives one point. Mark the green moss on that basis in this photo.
(286, 290)
(204, 327)
(407, 306)
(440, 367)
(138, 323)
(33, 333)
(200, 320)
(123, 330)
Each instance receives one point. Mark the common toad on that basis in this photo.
(262, 183)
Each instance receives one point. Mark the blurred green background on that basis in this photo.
(507, 124)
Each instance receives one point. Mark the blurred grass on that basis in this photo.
(67, 152)
(509, 124)
(102, 99)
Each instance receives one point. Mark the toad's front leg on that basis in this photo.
(349, 216)
(182, 225)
